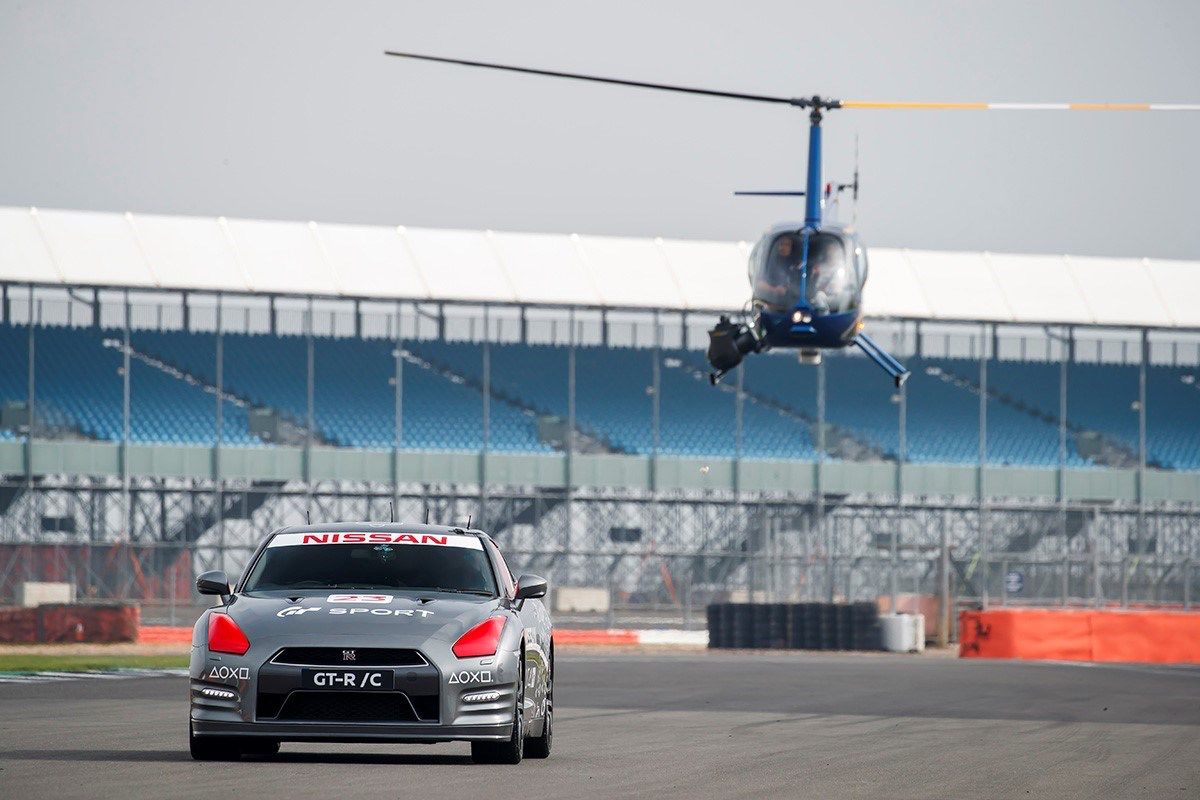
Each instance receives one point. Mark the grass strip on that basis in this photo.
(36, 662)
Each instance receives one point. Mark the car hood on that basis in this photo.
(393, 618)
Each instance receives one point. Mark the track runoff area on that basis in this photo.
(706, 724)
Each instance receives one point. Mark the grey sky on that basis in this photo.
(289, 110)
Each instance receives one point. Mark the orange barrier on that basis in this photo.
(164, 634)
(566, 636)
(1155, 637)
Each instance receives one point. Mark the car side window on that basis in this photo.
(506, 576)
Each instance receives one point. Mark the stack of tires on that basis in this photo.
(738, 628)
(796, 626)
(770, 621)
(864, 627)
(813, 637)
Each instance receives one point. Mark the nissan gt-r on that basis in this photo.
(372, 632)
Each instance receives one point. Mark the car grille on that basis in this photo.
(302, 706)
(363, 657)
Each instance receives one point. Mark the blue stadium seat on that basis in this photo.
(614, 398)
(79, 388)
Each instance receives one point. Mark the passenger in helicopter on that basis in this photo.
(829, 289)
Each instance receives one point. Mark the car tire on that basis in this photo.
(259, 748)
(539, 746)
(508, 752)
(212, 748)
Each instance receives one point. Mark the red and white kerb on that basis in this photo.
(377, 537)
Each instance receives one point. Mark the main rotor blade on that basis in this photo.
(922, 105)
(806, 102)
(761, 98)
(770, 194)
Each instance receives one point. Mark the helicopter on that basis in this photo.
(807, 277)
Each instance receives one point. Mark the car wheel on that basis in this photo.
(508, 752)
(212, 748)
(539, 746)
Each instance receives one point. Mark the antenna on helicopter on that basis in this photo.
(854, 185)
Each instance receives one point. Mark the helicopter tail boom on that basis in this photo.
(883, 358)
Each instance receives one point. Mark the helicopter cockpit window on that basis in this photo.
(834, 277)
(833, 283)
(778, 281)
(860, 262)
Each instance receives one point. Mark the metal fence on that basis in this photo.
(660, 553)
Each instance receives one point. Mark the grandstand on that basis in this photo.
(557, 383)
(174, 385)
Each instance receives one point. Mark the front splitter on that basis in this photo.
(353, 733)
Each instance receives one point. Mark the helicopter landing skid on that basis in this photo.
(883, 358)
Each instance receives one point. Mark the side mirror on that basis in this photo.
(531, 586)
(213, 582)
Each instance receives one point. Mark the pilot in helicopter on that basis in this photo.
(779, 284)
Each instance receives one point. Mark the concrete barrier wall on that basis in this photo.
(31, 594)
(52, 457)
(581, 599)
(1151, 637)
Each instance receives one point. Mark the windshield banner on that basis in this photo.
(378, 537)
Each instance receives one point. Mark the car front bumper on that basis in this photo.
(259, 689)
(359, 732)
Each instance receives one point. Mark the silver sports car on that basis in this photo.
(373, 632)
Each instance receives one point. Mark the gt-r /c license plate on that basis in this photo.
(356, 679)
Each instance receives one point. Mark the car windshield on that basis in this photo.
(406, 561)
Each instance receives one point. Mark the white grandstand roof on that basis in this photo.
(143, 251)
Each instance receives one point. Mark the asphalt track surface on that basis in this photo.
(663, 725)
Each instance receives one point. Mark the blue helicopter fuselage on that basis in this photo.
(807, 285)
(830, 331)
